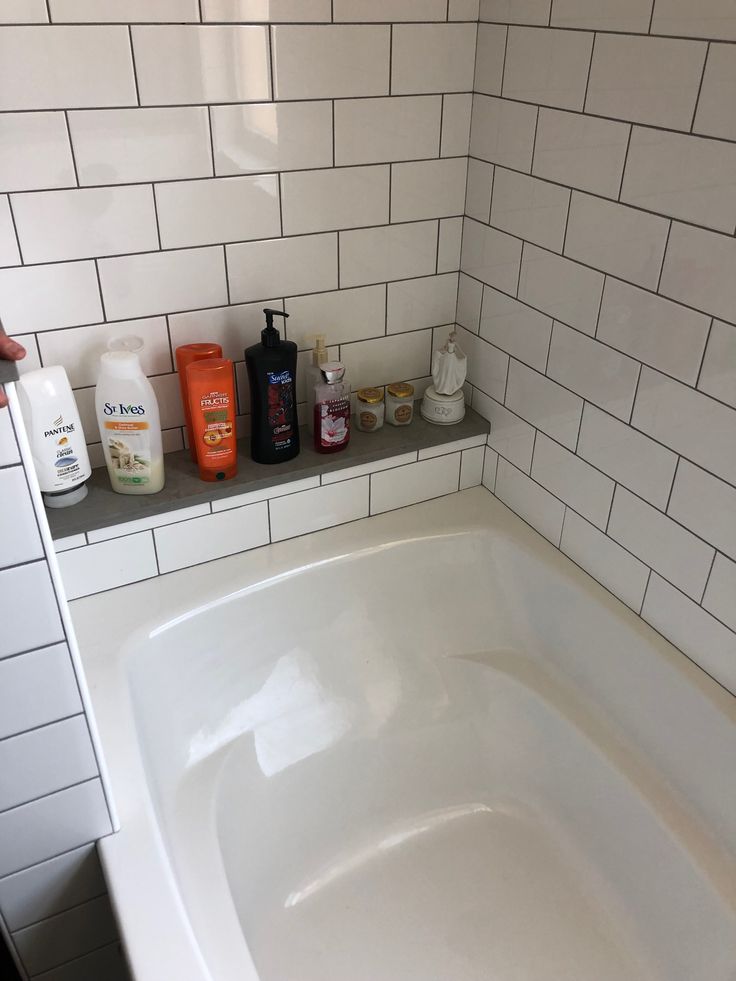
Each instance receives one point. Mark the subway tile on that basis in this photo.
(107, 962)
(123, 11)
(490, 466)
(616, 239)
(699, 635)
(502, 132)
(233, 327)
(529, 208)
(515, 328)
(31, 617)
(228, 209)
(274, 11)
(571, 479)
(547, 66)
(373, 255)
(19, 534)
(580, 151)
(510, 436)
(487, 365)
(432, 58)
(163, 282)
(202, 539)
(67, 935)
(35, 689)
(600, 15)
(51, 825)
(478, 190)
(85, 223)
(720, 592)
(646, 79)
(706, 506)
(144, 524)
(718, 374)
(456, 117)
(48, 297)
(305, 66)
(456, 446)
(428, 189)
(381, 130)
(322, 507)
(628, 456)
(530, 501)
(489, 58)
(344, 315)
(254, 497)
(24, 12)
(202, 63)
(417, 303)
(515, 11)
(463, 9)
(416, 482)
(693, 424)
(108, 564)
(669, 549)
(544, 403)
(70, 541)
(707, 18)
(491, 256)
(51, 887)
(389, 10)
(45, 760)
(565, 290)
(271, 136)
(322, 200)
(78, 349)
(9, 254)
(387, 359)
(337, 476)
(698, 270)
(683, 176)
(715, 116)
(656, 331)
(34, 151)
(469, 298)
(32, 359)
(615, 568)
(282, 265)
(449, 246)
(129, 145)
(598, 373)
(65, 68)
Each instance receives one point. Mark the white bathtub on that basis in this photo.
(420, 747)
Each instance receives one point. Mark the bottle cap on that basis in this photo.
(332, 371)
(371, 396)
(400, 390)
(129, 342)
(209, 365)
(121, 364)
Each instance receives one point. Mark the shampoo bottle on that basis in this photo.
(211, 388)
(271, 368)
(185, 354)
(314, 377)
(130, 428)
(332, 409)
(56, 436)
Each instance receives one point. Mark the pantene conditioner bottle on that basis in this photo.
(130, 428)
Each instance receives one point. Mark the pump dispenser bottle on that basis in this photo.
(271, 368)
(314, 376)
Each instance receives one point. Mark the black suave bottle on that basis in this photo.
(271, 366)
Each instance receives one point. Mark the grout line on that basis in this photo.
(391, 59)
(99, 287)
(707, 580)
(705, 351)
(77, 959)
(623, 169)
(651, 17)
(212, 144)
(606, 277)
(534, 149)
(334, 135)
(644, 595)
(132, 57)
(672, 486)
(664, 257)
(700, 86)
(437, 254)
(60, 790)
(442, 124)
(227, 275)
(567, 222)
(271, 73)
(14, 223)
(61, 912)
(42, 725)
(71, 149)
(155, 215)
(590, 66)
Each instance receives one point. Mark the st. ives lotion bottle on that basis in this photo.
(130, 427)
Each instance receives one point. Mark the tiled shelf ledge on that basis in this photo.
(103, 508)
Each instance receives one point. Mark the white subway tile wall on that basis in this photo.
(601, 195)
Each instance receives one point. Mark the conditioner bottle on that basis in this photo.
(271, 368)
(211, 393)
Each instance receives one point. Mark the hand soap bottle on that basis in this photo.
(271, 366)
(332, 409)
(314, 377)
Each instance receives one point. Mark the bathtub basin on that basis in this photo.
(421, 747)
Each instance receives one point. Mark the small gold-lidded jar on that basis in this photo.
(370, 409)
(399, 403)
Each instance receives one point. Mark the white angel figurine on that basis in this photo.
(444, 402)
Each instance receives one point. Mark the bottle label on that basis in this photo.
(281, 409)
(129, 449)
(218, 436)
(67, 470)
(332, 423)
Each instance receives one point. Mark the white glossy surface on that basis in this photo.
(374, 255)
(566, 290)
(305, 65)
(490, 255)
(299, 779)
(432, 58)
(549, 67)
(503, 132)
(516, 328)
(377, 130)
(34, 151)
(529, 208)
(581, 151)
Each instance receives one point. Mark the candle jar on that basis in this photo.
(369, 409)
(399, 404)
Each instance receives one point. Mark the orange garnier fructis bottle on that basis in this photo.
(211, 389)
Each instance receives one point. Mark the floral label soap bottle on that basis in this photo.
(331, 409)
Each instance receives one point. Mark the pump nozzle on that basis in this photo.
(270, 336)
(319, 353)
